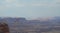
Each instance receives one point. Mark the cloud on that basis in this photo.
(17, 3)
(10, 1)
(13, 3)
(51, 3)
(39, 4)
(57, 0)
(9, 4)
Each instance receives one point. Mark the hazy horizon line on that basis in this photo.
(29, 18)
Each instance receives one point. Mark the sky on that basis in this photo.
(29, 8)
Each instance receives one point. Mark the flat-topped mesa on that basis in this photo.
(20, 18)
(4, 28)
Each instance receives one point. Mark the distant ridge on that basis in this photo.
(47, 18)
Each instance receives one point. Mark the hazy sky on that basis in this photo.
(29, 8)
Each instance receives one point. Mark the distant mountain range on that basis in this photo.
(22, 23)
(52, 20)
